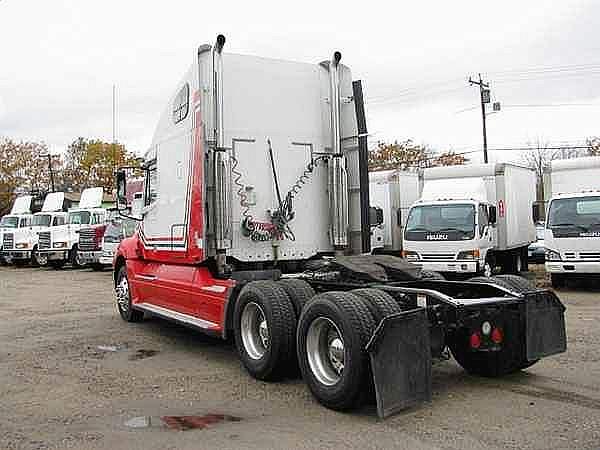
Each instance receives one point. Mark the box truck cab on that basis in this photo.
(393, 192)
(25, 239)
(59, 244)
(471, 219)
(572, 237)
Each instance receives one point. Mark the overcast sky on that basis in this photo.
(59, 60)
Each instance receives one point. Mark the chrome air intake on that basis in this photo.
(221, 163)
(338, 176)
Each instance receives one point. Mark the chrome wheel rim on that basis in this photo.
(122, 294)
(255, 332)
(325, 351)
(42, 260)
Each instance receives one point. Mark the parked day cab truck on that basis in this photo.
(394, 192)
(59, 245)
(253, 226)
(25, 240)
(20, 217)
(471, 219)
(572, 236)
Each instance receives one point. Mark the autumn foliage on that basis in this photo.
(406, 154)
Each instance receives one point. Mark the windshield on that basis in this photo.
(441, 223)
(41, 220)
(575, 217)
(9, 222)
(79, 217)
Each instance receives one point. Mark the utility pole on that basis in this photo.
(484, 94)
(114, 126)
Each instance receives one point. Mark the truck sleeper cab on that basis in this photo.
(251, 227)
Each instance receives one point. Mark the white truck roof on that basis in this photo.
(570, 176)
(91, 198)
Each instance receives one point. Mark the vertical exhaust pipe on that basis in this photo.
(221, 164)
(338, 176)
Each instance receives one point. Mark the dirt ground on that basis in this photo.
(58, 389)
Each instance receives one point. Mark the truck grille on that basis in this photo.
(589, 255)
(43, 240)
(437, 256)
(9, 241)
(87, 239)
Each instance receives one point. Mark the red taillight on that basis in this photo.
(475, 340)
(497, 335)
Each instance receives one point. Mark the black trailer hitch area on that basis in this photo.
(400, 353)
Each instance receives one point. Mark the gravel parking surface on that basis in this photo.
(72, 374)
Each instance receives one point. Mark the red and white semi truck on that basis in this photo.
(255, 214)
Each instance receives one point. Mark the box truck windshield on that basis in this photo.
(575, 217)
(9, 222)
(79, 217)
(454, 222)
(41, 220)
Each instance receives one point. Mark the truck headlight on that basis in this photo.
(59, 245)
(469, 254)
(410, 255)
(552, 255)
(21, 245)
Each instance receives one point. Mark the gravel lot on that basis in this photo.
(59, 390)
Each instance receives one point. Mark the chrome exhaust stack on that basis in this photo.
(221, 164)
(337, 176)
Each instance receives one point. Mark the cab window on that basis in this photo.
(58, 220)
(181, 104)
(151, 184)
(24, 222)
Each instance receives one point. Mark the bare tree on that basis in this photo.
(593, 144)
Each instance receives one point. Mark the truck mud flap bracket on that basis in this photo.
(545, 325)
(400, 354)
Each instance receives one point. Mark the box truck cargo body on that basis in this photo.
(472, 219)
(394, 191)
(572, 237)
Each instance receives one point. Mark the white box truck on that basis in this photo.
(393, 192)
(572, 235)
(20, 217)
(472, 219)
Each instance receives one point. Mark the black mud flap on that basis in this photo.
(545, 325)
(400, 355)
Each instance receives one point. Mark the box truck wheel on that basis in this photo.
(123, 297)
(265, 329)
(75, 258)
(41, 259)
(558, 280)
(299, 292)
(332, 333)
(379, 303)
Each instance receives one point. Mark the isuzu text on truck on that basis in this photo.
(572, 236)
(25, 245)
(471, 219)
(255, 194)
(60, 245)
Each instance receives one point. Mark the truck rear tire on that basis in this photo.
(520, 284)
(265, 328)
(494, 280)
(379, 303)
(431, 275)
(123, 298)
(299, 292)
(332, 333)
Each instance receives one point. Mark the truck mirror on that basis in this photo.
(375, 216)
(137, 205)
(121, 188)
(492, 215)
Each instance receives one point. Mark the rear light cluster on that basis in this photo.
(488, 331)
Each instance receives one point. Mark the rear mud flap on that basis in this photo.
(400, 355)
(545, 325)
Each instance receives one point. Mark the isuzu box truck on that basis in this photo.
(572, 236)
(472, 219)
